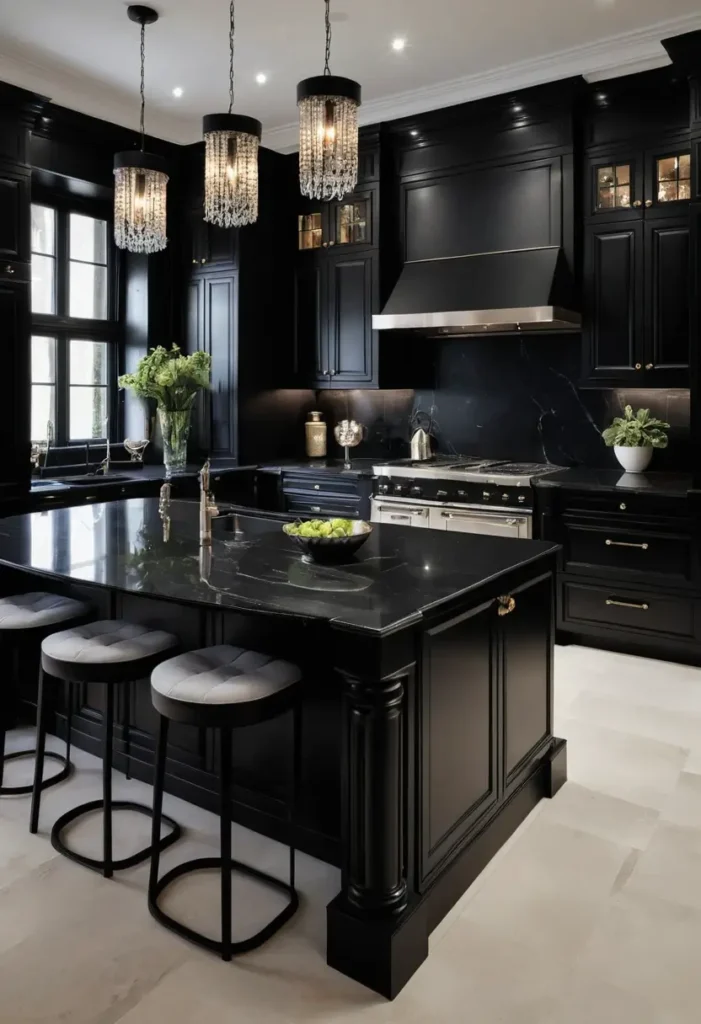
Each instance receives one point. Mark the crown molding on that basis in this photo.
(625, 54)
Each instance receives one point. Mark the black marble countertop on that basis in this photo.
(674, 485)
(359, 467)
(134, 473)
(396, 577)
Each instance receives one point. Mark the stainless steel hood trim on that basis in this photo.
(475, 255)
(477, 320)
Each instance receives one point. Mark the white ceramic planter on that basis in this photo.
(633, 460)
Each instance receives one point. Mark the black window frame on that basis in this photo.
(61, 326)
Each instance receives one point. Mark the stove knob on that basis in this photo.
(441, 494)
(505, 497)
(461, 494)
(522, 497)
(398, 488)
(384, 488)
(486, 495)
(415, 491)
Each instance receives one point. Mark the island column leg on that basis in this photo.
(374, 933)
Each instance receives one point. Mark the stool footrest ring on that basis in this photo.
(117, 805)
(51, 781)
(204, 863)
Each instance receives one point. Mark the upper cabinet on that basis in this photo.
(211, 247)
(350, 223)
(628, 185)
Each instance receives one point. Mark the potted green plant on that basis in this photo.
(173, 380)
(633, 437)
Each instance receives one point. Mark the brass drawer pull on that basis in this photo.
(507, 603)
(317, 487)
(628, 604)
(626, 544)
(315, 508)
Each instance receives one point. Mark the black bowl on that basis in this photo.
(333, 550)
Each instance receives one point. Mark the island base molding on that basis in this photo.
(382, 951)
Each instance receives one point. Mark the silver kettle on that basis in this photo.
(421, 439)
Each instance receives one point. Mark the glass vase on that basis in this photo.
(175, 430)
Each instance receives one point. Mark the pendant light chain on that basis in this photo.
(143, 90)
(327, 68)
(232, 27)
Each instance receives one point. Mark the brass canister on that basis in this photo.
(315, 430)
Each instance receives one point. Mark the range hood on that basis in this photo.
(504, 292)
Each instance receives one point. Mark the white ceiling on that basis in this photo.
(84, 54)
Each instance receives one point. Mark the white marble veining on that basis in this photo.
(591, 911)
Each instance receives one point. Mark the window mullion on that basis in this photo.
(62, 390)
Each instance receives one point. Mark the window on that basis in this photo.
(674, 178)
(74, 331)
(613, 187)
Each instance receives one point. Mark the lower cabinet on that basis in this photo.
(485, 707)
(326, 495)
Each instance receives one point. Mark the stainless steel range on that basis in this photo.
(457, 493)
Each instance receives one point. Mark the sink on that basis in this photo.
(37, 484)
(92, 481)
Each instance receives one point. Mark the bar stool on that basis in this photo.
(223, 688)
(25, 619)
(112, 652)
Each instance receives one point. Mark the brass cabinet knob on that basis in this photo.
(623, 506)
(506, 604)
(636, 203)
(638, 366)
(325, 245)
(649, 366)
(332, 373)
(324, 373)
(194, 261)
(203, 260)
(648, 203)
(332, 243)
(9, 269)
(317, 487)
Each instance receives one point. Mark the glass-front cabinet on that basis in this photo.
(343, 224)
(628, 186)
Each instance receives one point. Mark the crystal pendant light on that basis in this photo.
(140, 178)
(231, 159)
(328, 131)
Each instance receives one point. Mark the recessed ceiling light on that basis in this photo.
(261, 78)
(398, 44)
(177, 92)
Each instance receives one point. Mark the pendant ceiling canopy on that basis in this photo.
(231, 159)
(328, 131)
(140, 178)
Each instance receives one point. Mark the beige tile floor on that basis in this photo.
(591, 912)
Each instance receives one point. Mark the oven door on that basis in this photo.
(496, 524)
(397, 514)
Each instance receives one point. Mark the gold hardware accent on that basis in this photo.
(9, 269)
(649, 366)
(623, 506)
(648, 203)
(332, 373)
(194, 261)
(626, 544)
(628, 604)
(324, 373)
(332, 243)
(325, 245)
(637, 203)
(638, 366)
(315, 508)
(506, 604)
(317, 487)
(208, 507)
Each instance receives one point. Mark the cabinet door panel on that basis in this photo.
(614, 187)
(14, 413)
(498, 208)
(311, 352)
(457, 723)
(220, 341)
(351, 293)
(528, 675)
(14, 216)
(613, 303)
(667, 287)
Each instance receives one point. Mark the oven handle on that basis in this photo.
(509, 520)
(394, 509)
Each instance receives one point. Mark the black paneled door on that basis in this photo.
(351, 296)
(14, 411)
(212, 327)
(14, 215)
(667, 307)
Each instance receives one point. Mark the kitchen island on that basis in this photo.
(427, 717)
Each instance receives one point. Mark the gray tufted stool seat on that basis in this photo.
(113, 652)
(224, 688)
(24, 621)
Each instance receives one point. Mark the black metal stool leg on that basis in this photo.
(127, 738)
(108, 726)
(225, 833)
(69, 720)
(158, 784)
(39, 757)
(296, 778)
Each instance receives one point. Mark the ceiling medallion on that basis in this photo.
(140, 178)
(231, 159)
(328, 131)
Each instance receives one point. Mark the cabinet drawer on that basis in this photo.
(324, 507)
(651, 552)
(632, 610)
(624, 505)
(331, 483)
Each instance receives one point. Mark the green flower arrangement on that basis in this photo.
(173, 380)
(170, 377)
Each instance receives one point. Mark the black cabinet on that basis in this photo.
(212, 327)
(14, 411)
(348, 223)
(211, 247)
(335, 297)
(14, 215)
(629, 184)
(637, 303)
